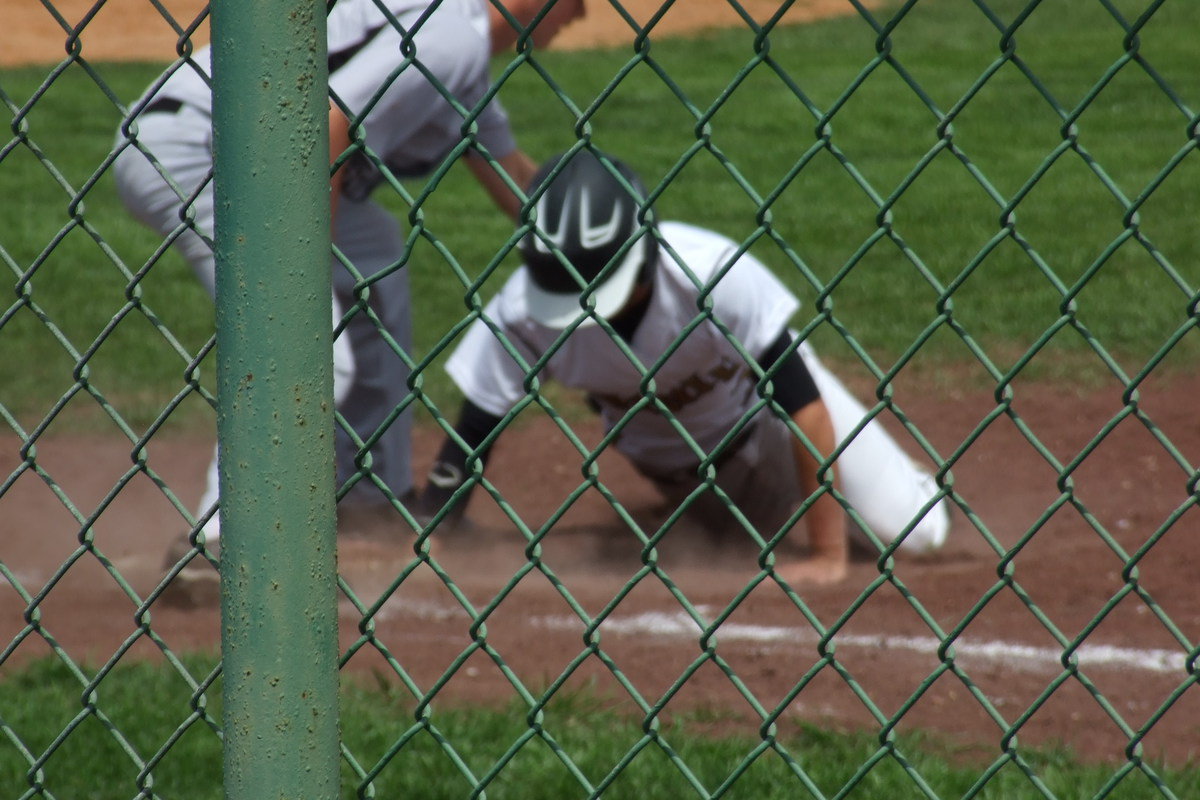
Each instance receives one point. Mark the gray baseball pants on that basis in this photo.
(370, 377)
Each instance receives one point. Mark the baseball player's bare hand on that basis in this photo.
(814, 571)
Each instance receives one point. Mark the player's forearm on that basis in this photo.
(827, 532)
(519, 167)
(339, 141)
(828, 557)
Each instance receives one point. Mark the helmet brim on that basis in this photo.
(557, 310)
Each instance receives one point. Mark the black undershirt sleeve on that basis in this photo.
(793, 383)
(474, 425)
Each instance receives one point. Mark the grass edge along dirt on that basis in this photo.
(453, 749)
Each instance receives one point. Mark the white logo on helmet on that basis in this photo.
(590, 236)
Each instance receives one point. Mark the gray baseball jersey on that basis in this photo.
(705, 383)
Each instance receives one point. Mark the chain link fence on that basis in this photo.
(960, 195)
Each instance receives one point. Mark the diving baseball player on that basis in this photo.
(164, 172)
(595, 246)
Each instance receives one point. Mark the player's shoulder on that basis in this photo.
(362, 10)
(453, 31)
(700, 250)
(687, 235)
(701, 255)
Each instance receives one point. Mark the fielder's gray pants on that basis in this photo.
(366, 234)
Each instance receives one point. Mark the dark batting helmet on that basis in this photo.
(588, 217)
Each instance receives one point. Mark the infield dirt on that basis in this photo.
(1130, 487)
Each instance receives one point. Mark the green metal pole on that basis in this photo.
(275, 400)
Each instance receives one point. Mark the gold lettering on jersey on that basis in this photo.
(686, 392)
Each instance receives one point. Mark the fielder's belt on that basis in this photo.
(163, 105)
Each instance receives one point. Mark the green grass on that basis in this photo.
(72, 253)
(102, 753)
(824, 218)
(945, 196)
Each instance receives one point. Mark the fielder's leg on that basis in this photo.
(370, 237)
(181, 144)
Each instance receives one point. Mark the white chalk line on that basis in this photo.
(678, 626)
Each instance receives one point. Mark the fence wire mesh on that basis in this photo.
(967, 197)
